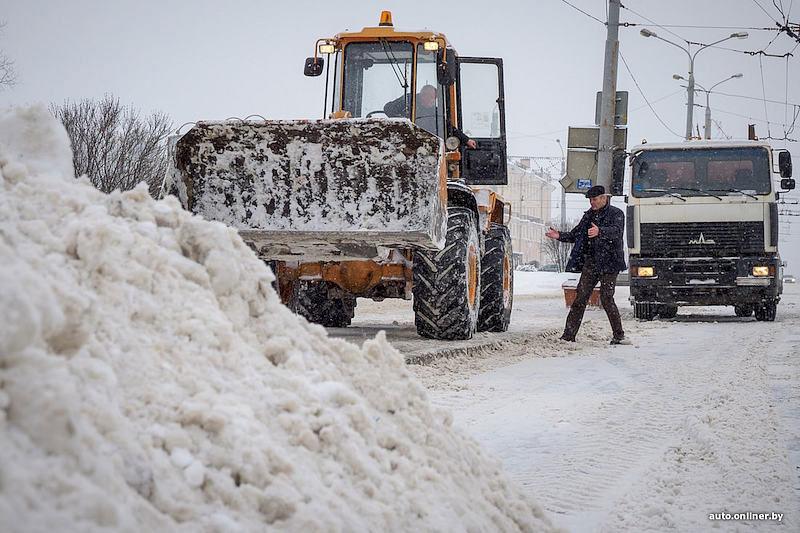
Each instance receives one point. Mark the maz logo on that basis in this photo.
(702, 240)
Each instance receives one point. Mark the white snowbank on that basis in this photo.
(150, 380)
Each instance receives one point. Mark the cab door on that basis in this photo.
(482, 117)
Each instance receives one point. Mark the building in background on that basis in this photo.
(529, 192)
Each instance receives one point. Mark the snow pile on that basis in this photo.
(150, 380)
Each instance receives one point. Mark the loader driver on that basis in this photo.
(426, 113)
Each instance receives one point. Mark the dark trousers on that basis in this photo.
(589, 278)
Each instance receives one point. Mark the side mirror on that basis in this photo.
(785, 166)
(787, 184)
(446, 73)
(313, 66)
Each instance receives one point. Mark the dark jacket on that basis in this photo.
(399, 107)
(606, 249)
(426, 117)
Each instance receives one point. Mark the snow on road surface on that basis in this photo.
(701, 415)
(150, 380)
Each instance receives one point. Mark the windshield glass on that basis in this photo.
(376, 74)
(480, 95)
(696, 172)
(430, 94)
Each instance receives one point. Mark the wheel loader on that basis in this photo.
(360, 204)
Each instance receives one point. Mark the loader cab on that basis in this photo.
(382, 73)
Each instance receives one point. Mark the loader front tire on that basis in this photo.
(447, 282)
(311, 301)
(497, 281)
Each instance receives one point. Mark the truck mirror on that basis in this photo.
(313, 66)
(787, 184)
(785, 166)
(446, 73)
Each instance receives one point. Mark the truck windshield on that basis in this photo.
(698, 172)
(377, 74)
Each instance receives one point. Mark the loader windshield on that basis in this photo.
(375, 74)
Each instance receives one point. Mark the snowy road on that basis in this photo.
(701, 415)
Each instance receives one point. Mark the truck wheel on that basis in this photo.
(644, 310)
(310, 300)
(668, 311)
(743, 310)
(767, 311)
(497, 281)
(447, 283)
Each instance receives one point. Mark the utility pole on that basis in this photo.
(690, 99)
(608, 100)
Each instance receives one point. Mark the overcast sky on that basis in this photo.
(203, 59)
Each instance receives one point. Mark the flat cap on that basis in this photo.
(597, 190)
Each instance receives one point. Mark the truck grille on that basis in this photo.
(702, 239)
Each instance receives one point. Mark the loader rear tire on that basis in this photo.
(497, 281)
(447, 283)
(311, 301)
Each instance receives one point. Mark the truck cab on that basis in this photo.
(702, 227)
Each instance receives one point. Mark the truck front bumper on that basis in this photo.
(705, 281)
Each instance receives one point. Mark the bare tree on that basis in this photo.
(8, 75)
(556, 251)
(114, 145)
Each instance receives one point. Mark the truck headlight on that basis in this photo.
(646, 272)
(761, 271)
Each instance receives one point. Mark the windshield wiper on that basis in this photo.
(387, 49)
(735, 190)
(695, 190)
(663, 192)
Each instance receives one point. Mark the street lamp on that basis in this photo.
(690, 89)
(708, 92)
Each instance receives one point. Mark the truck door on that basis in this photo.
(482, 116)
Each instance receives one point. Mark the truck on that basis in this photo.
(384, 197)
(702, 227)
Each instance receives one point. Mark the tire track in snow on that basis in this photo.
(587, 453)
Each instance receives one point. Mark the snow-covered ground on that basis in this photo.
(700, 415)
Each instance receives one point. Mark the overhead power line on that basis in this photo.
(584, 12)
(628, 68)
(761, 52)
(756, 2)
(754, 98)
(699, 27)
(654, 23)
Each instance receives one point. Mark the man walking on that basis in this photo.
(598, 256)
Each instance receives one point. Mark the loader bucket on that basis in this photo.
(317, 190)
